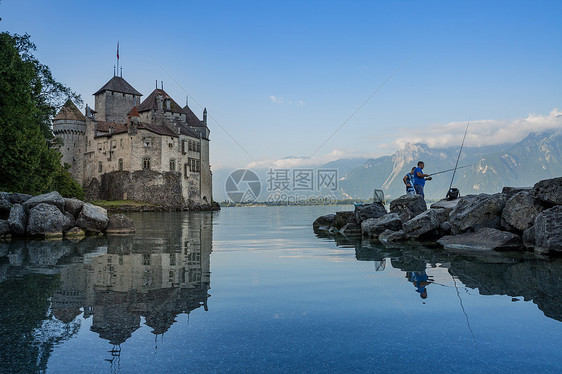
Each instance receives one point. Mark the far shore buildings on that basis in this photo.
(127, 149)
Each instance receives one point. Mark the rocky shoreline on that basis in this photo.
(50, 216)
(517, 219)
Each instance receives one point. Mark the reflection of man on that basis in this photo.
(420, 280)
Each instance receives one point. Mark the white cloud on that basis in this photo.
(280, 100)
(295, 162)
(481, 132)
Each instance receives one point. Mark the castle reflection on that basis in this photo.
(136, 278)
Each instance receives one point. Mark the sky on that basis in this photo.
(319, 80)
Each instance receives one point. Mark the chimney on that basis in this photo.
(205, 116)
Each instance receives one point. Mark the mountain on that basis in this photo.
(536, 157)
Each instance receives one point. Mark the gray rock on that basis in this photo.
(445, 228)
(324, 222)
(548, 230)
(4, 227)
(389, 236)
(73, 206)
(520, 211)
(17, 220)
(373, 227)
(51, 198)
(529, 237)
(408, 206)
(425, 224)
(549, 191)
(476, 211)
(92, 218)
(75, 232)
(483, 239)
(71, 221)
(365, 211)
(46, 219)
(5, 204)
(510, 191)
(18, 198)
(343, 218)
(448, 205)
(120, 224)
(351, 229)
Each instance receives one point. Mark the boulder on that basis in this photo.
(445, 228)
(51, 198)
(351, 228)
(17, 220)
(483, 239)
(389, 236)
(343, 218)
(366, 211)
(92, 218)
(510, 191)
(476, 211)
(73, 206)
(529, 237)
(120, 224)
(373, 227)
(4, 227)
(548, 230)
(324, 222)
(5, 204)
(425, 224)
(18, 198)
(408, 206)
(75, 232)
(520, 211)
(71, 221)
(549, 191)
(46, 220)
(448, 205)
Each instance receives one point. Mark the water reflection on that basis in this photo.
(517, 275)
(118, 281)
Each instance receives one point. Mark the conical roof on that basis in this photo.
(118, 84)
(192, 119)
(69, 111)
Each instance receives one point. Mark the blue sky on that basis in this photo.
(281, 77)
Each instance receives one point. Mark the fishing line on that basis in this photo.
(460, 151)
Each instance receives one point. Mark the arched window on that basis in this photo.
(146, 163)
(120, 164)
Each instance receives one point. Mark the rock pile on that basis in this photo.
(50, 215)
(515, 219)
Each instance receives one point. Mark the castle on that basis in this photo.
(152, 151)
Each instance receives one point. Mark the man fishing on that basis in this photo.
(420, 178)
(409, 182)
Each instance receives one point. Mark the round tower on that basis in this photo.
(70, 126)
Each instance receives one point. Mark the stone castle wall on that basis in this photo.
(150, 186)
(114, 106)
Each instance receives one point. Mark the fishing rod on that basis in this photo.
(460, 151)
(444, 171)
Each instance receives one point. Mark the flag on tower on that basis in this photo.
(118, 50)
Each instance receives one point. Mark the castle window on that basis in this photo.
(172, 259)
(186, 170)
(172, 165)
(146, 259)
(183, 147)
(198, 147)
(146, 163)
(168, 104)
(100, 167)
(120, 164)
(147, 142)
(121, 143)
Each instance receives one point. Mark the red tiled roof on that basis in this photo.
(134, 112)
(69, 111)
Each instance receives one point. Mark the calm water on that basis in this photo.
(254, 290)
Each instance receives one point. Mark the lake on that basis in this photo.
(255, 290)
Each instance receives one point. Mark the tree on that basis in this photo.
(29, 98)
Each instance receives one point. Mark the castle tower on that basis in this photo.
(115, 99)
(70, 126)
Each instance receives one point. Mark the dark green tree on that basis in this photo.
(29, 98)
